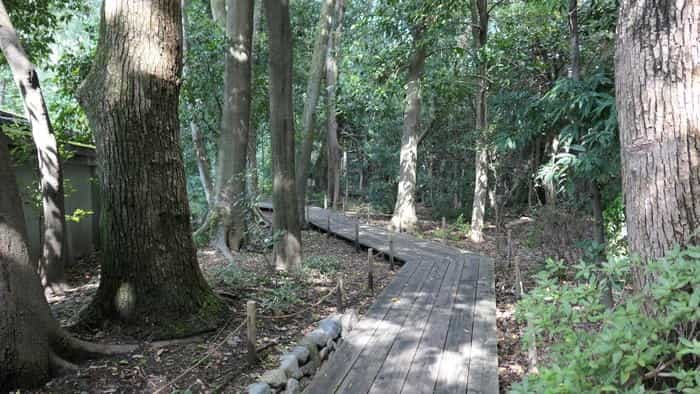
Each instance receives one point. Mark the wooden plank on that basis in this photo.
(393, 372)
(454, 365)
(423, 372)
(333, 372)
(360, 379)
(483, 367)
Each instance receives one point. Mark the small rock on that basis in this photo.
(318, 336)
(309, 369)
(330, 345)
(275, 377)
(301, 353)
(313, 351)
(323, 353)
(290, 365)
(331, 326)
(293, 387)
(259, 388)
(349, 320)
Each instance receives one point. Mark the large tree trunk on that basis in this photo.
(658, 100)
(203, 165)
(404, 217)
(334, 151)
(285, 219)
(231, 202)
(52, 262)
(480, 20)
(313, 89)
(150, 275)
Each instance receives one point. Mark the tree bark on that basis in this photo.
(574, 47)
(404, 217)
(285, 219)
(51, 265)
(334, 151)
(313, 90)
(231, 202)
(657, 78)
(480, 20)
(150, 276)
(203, 165)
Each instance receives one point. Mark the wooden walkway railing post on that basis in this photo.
(444, 230)
(391, 250)
(341, 293)
(251, 307)
(357, 236)
(370, 270)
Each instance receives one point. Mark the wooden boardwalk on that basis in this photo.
(432, 329)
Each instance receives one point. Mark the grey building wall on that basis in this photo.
(81, 193)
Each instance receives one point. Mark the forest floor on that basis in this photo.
(216, 362)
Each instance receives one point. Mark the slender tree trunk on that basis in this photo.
(231, 202)
(253, 131)
(404, 217)
(218, 12)
(313, 90)
(150, 276)
(52, 262)
(334, 151)
(574, 47)
(480, 21)
(203, 165)
(658, 102)
(285, 219)
(599, 238)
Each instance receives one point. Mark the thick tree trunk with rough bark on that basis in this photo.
(334, 151)
(480, 20)
(150, 275)
(313, 90)
(404, 217)
(52, 262)
(231, 202)
(657, 78)
(285, 220)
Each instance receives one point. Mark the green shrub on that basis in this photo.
(235, 278)
(282, 297)
(593, 350)
(325, 265)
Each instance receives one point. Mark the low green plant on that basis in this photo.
(235, 278)
(648, 342)
(326, 265)
(282, 297)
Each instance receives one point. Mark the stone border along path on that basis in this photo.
(432, 329)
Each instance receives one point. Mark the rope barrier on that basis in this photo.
(201, 360)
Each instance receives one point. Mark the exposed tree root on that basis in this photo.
(73, 348)
(60, 366)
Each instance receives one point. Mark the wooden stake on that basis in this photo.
(328, 225)
(444, 230)
(391, 251)
(370, 270)
(509, 248)
(341, 293)
(519, 291)
(252, 341)
(357, 236)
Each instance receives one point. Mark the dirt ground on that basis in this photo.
(216, 362)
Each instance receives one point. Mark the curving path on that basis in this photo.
(432, 329)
